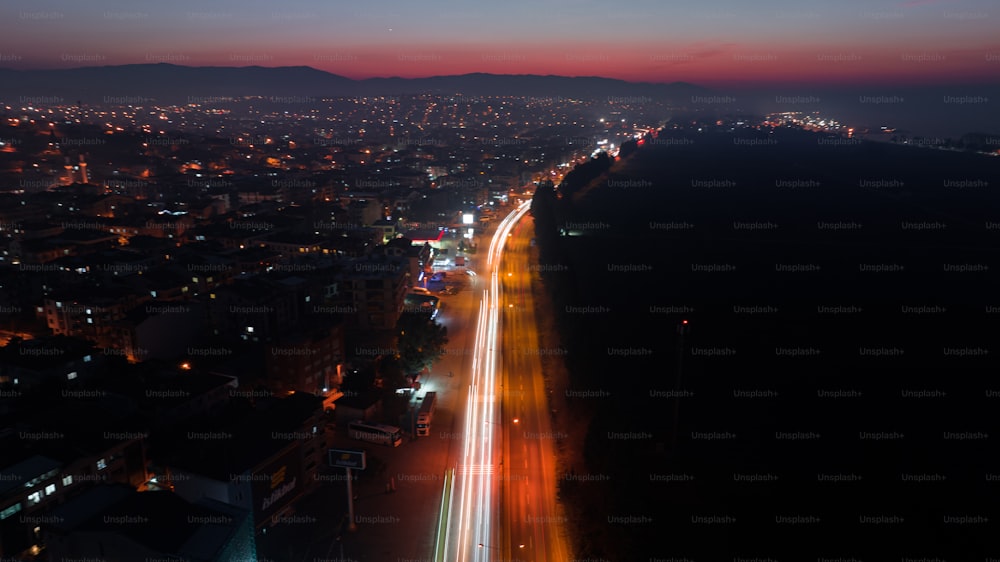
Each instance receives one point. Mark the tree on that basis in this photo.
(628, 148)
(584, 173)
(361, 381)
(543, 209)
(390, 371)
(421, 341)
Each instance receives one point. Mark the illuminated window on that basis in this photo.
(50, 489)
(34, 498)
(10, 511)
(67, 480)
(102, 464)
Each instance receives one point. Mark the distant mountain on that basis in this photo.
(584, 87)
(169, 83)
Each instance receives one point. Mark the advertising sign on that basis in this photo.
(344, 458)
(277, 484)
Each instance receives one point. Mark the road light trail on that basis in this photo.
(472, 535)
(535, 521)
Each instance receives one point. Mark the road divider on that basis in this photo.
(444, 517)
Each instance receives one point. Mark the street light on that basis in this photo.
(683, 329)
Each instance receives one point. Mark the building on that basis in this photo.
(364, 211)
(310, 360)
(251, 195)
(21, 493)
(236, 234)
(158, 330)
(92, 313)
(387, 227)
(258, 309)
(109, 264)
(164, 394)
(61, 362)
(418, 256)
(261, 458)
(290, 244)
(366, 406)
(164, 226)
(45, 465)
(434, 238)
(119, 523)
(375, 286)
(37, 252)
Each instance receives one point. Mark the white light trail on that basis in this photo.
(478, 497)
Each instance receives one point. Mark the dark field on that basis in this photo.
(792, 313)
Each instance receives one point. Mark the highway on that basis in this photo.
(500, 502)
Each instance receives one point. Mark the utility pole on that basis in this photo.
(351, 526)
(683, 329)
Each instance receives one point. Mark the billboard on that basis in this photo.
(277, 483)
(346, 458)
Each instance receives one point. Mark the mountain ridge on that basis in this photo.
(171, 83)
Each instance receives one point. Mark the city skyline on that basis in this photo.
(914, 42)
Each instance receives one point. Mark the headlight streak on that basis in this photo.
(478, 498)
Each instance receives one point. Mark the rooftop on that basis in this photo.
(246, 436)
(170, 525)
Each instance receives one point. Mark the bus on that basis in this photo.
(375, 433)
(426, 413)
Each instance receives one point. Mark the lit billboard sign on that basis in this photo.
(277, 484)
(347, 459)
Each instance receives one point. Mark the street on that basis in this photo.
(492, 430)
(503, 506)
(532, 518)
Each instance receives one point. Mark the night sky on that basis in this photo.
(711, 43)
